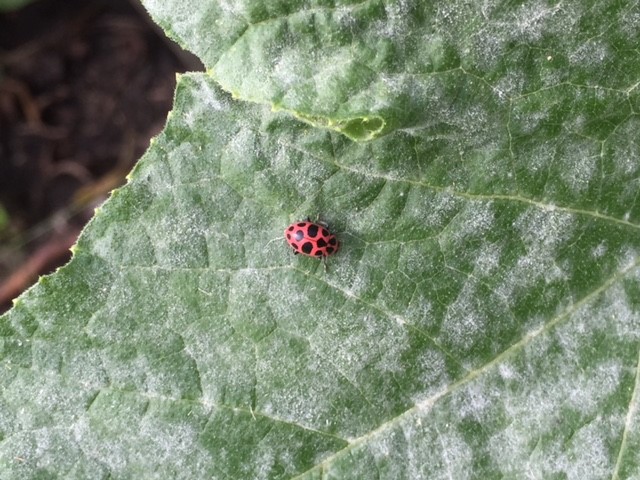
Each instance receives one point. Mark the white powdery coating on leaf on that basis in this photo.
(526, 123)
(595, 386)
(487, 47)
(542, 232)
(508, 372)
(578, 166)
(287, 71)
(432, 363)
(208, 98)
(448, 13)
(457, 456)
(301, 397)
(487, 260)
(585, 458)
(306, 184)
(478, 402)
(464, 323)
(44, 400)
(420, 311)
(241, 151)
(510, 85)
(600, 250)
(551, 76)
(87, 369)
(156, 446)
(42, 448)
(363, 282)
(476, 219)
(432, 211)
(628, 258)
(429, 448)
(474, 121)
(617, 314)
(396, 24)
(372, 342)
(225, 372)
(283, 301)
(187, 230)
(171, 444)
(590, 53)
(180, 15)
(413, 262)
(531, 21)
(234, 7)
(599, 381)
(627, 158)
(265, 462)
(629, 22)
(103, 246)
(589, 454)
(544, 394)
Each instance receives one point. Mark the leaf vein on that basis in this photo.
(631, 412)
(500, 197)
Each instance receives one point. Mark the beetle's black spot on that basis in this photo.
(330, 250)
(321, 243)
(295, 252)
(290, 228)
(312, 231)
(307, 247)
(318, 253)
(288, 236)
(332, 241)
(325, 232)
(302, 224)
(299, 235)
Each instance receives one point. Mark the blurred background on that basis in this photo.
(84, 85)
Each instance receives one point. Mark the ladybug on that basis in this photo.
(311, 239)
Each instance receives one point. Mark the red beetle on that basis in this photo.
(311, 239)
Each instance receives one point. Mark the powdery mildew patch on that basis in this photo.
(541, 233)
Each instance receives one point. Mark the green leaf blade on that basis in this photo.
(480, 319)
(368, 68)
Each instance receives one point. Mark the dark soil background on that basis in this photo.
(84, 85)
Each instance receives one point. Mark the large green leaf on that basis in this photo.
(368, 67)
(480, 320)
